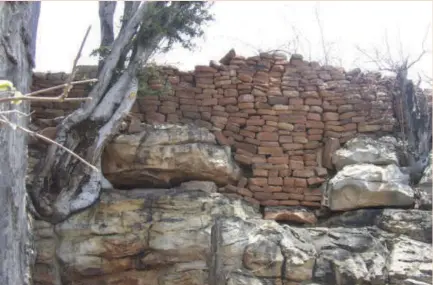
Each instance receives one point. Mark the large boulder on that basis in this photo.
(367, 185)
(166, 155)
(363, 149)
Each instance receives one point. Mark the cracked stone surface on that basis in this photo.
(167, 155)
(368, 185)
(185, 235)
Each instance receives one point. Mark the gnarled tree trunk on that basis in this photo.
(18, 24)
(62, 184)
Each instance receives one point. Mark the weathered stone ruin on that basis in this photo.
(259, 170)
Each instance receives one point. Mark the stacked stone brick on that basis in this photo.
(276, 114)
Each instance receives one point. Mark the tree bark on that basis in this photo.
(106, 15)
(18, 21)
(62, 185)
(414, 114)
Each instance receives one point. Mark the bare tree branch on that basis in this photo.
(387, 62)
(60, 98)
(5, 120)
(322, 36)
(49, 89)
(44, 99)
(74, 66)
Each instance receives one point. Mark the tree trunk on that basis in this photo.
(63, 185)
(18, 21)
(106, 15)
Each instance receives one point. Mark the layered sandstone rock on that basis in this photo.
(165, 155)
(187, 236)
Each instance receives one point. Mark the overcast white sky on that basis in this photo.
(248, 26)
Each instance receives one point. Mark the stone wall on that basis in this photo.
(276, 114)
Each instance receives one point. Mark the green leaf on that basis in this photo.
(6, 85)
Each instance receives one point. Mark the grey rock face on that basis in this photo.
(348, 256)
(415, 224)
(380, 151)
(367, 185)
(186, 235)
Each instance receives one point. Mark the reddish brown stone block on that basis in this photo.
(261, 196)
(292, 146)
(285, 139)
(290, 203)
(315, 180)
(301, 182)
(258, 181)
(270, 202)
(293, 196)
(244, 192)
(260, 172)
(275, 181)
(280, 196)
(330, 116)
(255, 122)
(276, 151)
(278, 159)
(267, 136)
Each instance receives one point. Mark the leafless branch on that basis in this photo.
(16, 112)
(60, 98)
(322, 36)
(43, 99)
(68, 86)
(423, 52)
(5, 120)
(386, 61)
(49, 89)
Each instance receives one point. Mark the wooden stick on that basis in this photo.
(44, 99)
(44, 138)
(61, 86)
(74, 67)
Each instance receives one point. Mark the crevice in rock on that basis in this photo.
(215, 263)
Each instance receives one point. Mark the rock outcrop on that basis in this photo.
(381, 151)
(188, 236)
(369, 175)
(367, 185)
(166, 155)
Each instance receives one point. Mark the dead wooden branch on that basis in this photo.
(61, 86)
(60, 98)
(43, 99)
(74, 67)
(5, 120)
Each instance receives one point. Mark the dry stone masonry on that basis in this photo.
(287, 135)
(282, 118)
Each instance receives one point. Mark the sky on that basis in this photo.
(253, 26)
